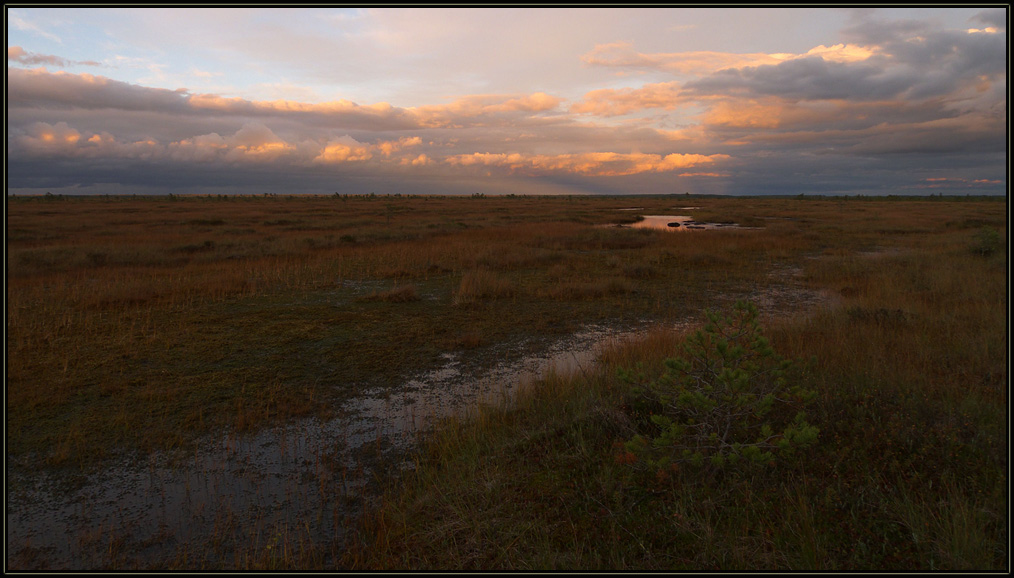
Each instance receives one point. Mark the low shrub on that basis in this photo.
(726, 401)
(987, 241)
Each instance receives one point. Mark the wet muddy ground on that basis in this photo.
(242, 492)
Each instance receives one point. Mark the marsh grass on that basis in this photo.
(482, 284)
(142, 324)
(909, 363)
(137, 316)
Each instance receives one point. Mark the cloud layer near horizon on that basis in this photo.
(884, 107)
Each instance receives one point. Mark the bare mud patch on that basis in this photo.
(786, 295)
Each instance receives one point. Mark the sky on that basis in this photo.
(522, 100)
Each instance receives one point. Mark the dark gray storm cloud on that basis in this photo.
(996, 17)
(807, 79)
(932, 64)
(38, 88)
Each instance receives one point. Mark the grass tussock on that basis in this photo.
(482, 285)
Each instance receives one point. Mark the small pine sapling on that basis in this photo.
(725, 401)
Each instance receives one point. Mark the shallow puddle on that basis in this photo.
(678, 223)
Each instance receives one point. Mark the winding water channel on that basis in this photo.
(305, 480)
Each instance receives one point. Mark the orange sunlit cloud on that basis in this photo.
(457, 113)
(389, 147)
(941, 180)
(343, 153)
(253, 142)
(50, 138)
(744, 114)
(591, 164)
(60, 140)
(241, 105)
(840, 53)
(666, 95)
(774, 113)
(454, 114)
(622, 54)
(614, 102)
(419, 161)
(256, 141)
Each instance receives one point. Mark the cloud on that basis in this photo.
(722, 74)
(623, 55)
(204, 73)
(588, 164)
(60, 140)
(343, 150)
(21, 56)
(807, 79)
(41, 88)
(22, 24)
(825, 116)
(419, 161)
(745, 114)
(932, 61)
(389, 147)
(47, 138)
(911, 89)
(615, 102)
(840, 53)
(995, 18)
(884, 60)
(711, 175)
(254, 143)
(483, 109)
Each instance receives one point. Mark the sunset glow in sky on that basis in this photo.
(507, 100)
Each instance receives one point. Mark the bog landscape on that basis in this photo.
(388, 382)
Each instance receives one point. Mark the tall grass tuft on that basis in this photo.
(482, 285)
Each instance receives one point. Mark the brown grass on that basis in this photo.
(481, 285)
(140, 324)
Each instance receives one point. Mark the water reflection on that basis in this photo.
(678, 223)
